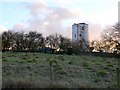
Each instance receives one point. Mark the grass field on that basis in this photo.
(33, 70)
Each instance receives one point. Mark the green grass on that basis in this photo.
(75, 71)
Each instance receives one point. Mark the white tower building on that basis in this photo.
(80, 34)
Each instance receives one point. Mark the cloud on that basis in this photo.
(2, 28)
(49, 19)
(20, 27)
(37, 7)
(63, 3)
(19, 0)
(108, 16)
(94, 31)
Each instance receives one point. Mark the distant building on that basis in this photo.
(80, 34)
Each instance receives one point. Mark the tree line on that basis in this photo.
(32, 41)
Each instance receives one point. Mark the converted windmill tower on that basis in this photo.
(80, 35)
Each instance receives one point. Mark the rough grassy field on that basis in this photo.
(33, 70)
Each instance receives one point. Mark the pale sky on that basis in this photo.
(57, 16)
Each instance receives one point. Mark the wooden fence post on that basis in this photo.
(51, 71)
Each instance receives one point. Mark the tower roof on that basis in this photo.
(82, 23)
(79, 23)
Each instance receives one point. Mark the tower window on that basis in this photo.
(83, 28)
(79, 35)
(75, 35)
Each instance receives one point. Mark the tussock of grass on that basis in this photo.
(110, 65)
(102, 73)
(85, 64)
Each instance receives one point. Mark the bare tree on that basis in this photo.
(34, 40)
(111, 38)
(52, 41)
(6, 40)
(64, 43)
(18, 41)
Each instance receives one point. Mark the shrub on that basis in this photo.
(28, 67)
(93, 60)
(97, 80)
(34, 60)
(29, 61)
(98, 64)
(85, 64)
(102, 73)
(106, 68)
(20, 61)
(24, 58)
(70, 62)
(4, 60)
(110, 65)
(60, 57)
(13, 55)
(37, 57)
(89, 68)
(3, 57)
